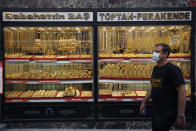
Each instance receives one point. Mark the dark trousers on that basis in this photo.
(160, 123)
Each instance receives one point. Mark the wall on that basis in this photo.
(91, 4)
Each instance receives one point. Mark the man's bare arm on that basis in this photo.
(181, 121)
(148, 95)
(143, 105)
(181, 99)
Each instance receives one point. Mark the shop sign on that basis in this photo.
(1, 77)
(102, 16)
(47, 16)
(145, 16)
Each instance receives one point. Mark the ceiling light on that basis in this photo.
(151, 28)
(13, 28)
(113, 28)
(22, 28)
(104, 28)
(171, 27)
(41, 28)
(59, 28)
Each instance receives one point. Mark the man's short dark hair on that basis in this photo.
(165, 48)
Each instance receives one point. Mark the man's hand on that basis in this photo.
(143, 105)
(181, 122)
(142, 108)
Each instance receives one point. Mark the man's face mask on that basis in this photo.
(155, 56)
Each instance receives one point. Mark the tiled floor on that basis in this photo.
(78, 130)
(71, 130)
(4, 126)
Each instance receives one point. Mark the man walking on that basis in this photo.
(167, 91)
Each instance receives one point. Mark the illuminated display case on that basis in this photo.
(125, 58)
(89, 65)
(44, 55)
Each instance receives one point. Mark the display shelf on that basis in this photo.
(138, 59)
(78, 99)
(68, 98)
(124, 81)
(180, 59)
(18, 98)
(119, 99)
(187, 80)
(49, 79)
(8, 81)
(12, 100)
(77, 81)
(75, 99)
(126, 99)
(129, 80)
(125, 57)
(20, 93)
(118, 78)
(50, 57)
(52, 60)
(123, 95)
